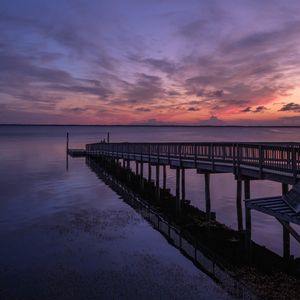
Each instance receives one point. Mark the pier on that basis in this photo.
(278, 162)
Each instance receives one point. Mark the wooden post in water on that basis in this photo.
(248, 234)
(239, 204)
(164, 177)
(286, 234)
(67, 150)
(67, 146)
(178, 202)
(108, 137)
(142, 174)
(247, 188)
(157, 182)
(149, 172)
(207, 195)
(183, 184)
(136, 167)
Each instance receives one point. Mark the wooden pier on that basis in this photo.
(278, 162)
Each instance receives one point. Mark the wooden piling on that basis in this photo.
(164, 177)
(149, 172)
(136, 167)
(142, 174)
(248, 234)
(157, 182)
(285, 231)
(183, 184)
(67, 145)
(207, 195)
(178, 202)
(247, 188)
(239, 209)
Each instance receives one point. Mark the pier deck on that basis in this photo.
(278, 162)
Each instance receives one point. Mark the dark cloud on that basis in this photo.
(247, 109)
(143, 109)
(22, 78)
(257, 109)
(76, 109)
(193, 109)
(172, 93)
(161, 65)
(292, 107)
(146, 89)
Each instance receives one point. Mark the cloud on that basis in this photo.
(146, 89)
(247, 109)
(257, 109)
(143, 109)
(193, 109)
(290, 107)
(212, 121)
(162, 65)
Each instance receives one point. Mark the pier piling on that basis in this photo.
(183, 184)
(157, 181)
(178, 202)
(239, 204)
(207, 195)
(285, 231)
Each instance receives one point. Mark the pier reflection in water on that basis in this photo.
(202, 257)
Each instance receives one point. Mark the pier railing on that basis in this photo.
(283, 157)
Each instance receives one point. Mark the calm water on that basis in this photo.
(65, 234)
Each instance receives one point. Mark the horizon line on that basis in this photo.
(153, 125)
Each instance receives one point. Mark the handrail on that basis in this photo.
(278, 156)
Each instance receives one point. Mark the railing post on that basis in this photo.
(261, 159)
(238, 158)
(294, 164)
(180, 155)
(195, 154)
(212, 157)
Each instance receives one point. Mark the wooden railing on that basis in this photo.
(276, 156)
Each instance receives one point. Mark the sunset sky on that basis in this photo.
(150, 62)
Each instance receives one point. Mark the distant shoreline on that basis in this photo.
(148, 125)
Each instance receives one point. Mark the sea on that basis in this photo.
(64, 234)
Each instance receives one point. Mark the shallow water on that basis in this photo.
(65, 234)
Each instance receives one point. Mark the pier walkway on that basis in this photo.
(278, 162)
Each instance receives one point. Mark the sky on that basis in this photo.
(204, 62)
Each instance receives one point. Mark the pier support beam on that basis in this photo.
(157, 182)
(136, 167)
(207, 195)
(248, 234)
(178, 202)
(239, 209)
(285, 231)
(164, 177)
(149, 172)
(128, 168)
(247, 188)
(142, 174)
(183, 184)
